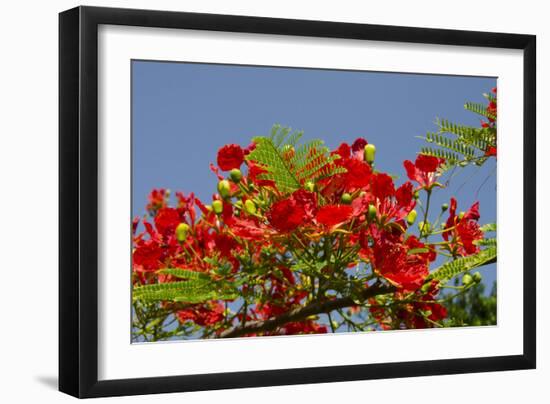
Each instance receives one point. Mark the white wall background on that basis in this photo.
(28, 198)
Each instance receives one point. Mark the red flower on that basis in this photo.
(332, 215)
(423, 170)
(357, 176)
(203, 315)
(463, 229)
(287, 214)
(343, 151)
(157, 199)
(358, 148)
(382, 186)
(147, 256)
(166, 221)
(230, 156)
(491, 151)
(392, 260)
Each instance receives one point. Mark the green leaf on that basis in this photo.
(486, 242)
(190, 291)
(185, 273)
(451, 269)
(310, 161)
(490, 227)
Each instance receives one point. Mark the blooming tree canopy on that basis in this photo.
(300, 239)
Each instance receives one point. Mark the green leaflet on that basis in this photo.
(479, 109)
(196, 290)
(451, 269)
(310, 161)
(486, 242)
(489, 227)
(185, 273)
(461, 145)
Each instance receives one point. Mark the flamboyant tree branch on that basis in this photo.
(251, 327)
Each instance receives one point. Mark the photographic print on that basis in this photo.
(272, 201)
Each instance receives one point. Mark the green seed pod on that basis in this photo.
(416, 195)
(372, 212)
(239, 204)
(411, 217)
(477, 277)
(346, 199)
(370, 151)
(461, 215)
(309, 186)
(224, 189)
(236, 175)
(467, 279)
(217, 206)
(444, 207)
(181, 232)
(250, 207)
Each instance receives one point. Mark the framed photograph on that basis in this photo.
(251, 201)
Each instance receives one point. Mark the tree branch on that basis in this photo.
(300, 313)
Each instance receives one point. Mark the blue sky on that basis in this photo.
(183, 112)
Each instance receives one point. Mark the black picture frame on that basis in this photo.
(78, 196)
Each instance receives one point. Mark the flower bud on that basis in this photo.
(424, 227)
(217, 206)
(224, 188)
(477, 277)
(236, 175)
(426, 287)
(416, 195)
(372, 212)
(370, 151)
(444, 207)
(250, 207)
(411, 217)
(309, 186)
(181, 232)
(346, 199)
(467, 279)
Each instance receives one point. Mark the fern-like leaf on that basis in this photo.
(479, 109)
(190, 291)
(290, 165)
(451, 269)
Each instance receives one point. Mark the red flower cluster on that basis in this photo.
(336, 235)
(463, 230)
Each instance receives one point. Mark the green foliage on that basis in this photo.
(479, 109)
(459, 144)
(473, 308)
(197, 288)
(451, 269)
(288, 164)
(489, 227)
